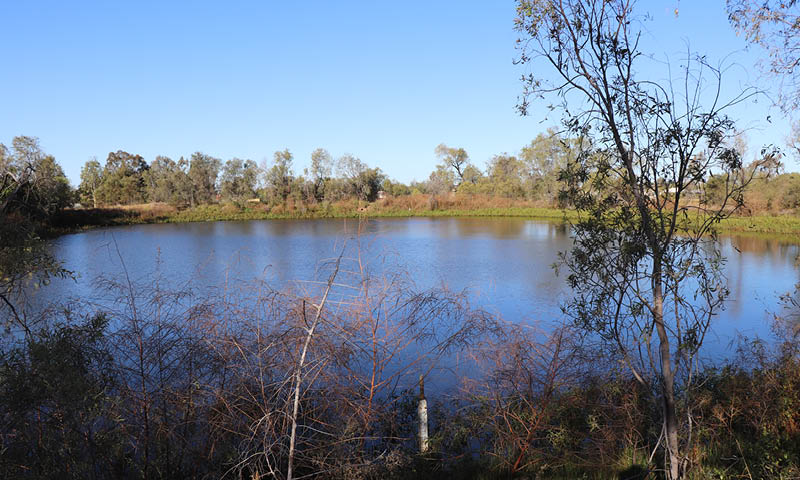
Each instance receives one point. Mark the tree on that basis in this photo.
(321, 166)
(546, 155)
(32, 189)
(455, 158)
(160, 176)
(279, 177)
(91, 179)
(360, 180)
(49, 186)
(794, 139)
(775, 26)
(505, 176)
(441, 180)
(123, 179)
(644, 272)
(203, 171)
(238, 180)
(473, 180)
(182, 183)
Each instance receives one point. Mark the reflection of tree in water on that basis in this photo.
(769, 252)
(774, 247)
(791, 304)
(497, 228)
(507, 227)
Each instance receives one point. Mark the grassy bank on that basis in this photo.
(413, 206)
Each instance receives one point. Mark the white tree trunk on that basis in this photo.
(422, 414)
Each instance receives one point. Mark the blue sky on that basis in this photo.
(385, 81)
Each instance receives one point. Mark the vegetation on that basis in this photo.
(325, 379)
(645, 274)
(155, 383)
(33, 189)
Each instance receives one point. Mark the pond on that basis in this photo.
(505, 264)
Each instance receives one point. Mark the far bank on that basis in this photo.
(72, 220)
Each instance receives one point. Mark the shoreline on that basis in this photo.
(75, 221)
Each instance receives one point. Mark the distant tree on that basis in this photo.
(184, 189)
(794, 139)
(203, 172)
(91, 180)
(360, 180)
(159, 179)
(280, 176)
(542, 161)
(123, 179)
(395, 188)
(321, 167)
(49, 185)
(441, 180)
(473, 181)
(455, 158)
(238, 179)
(504, 174)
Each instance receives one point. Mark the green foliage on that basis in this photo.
(455, 159)
(169, 182)
(441, 180)
(53, 392)
(32, 190)
(279, 178)
(91, 180)
(203, 171)
(238, 180)
(123, 179)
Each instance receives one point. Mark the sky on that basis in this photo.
(384, 81)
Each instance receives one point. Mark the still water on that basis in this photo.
(505, 264)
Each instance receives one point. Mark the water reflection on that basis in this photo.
(504, 262)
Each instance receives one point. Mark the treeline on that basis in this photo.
(127, 178)
(201, 179)
(530, 175)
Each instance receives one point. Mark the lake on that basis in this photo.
(504, 263)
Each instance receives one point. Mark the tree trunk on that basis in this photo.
(667, 376)
(422, 413)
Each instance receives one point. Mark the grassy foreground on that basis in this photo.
(413, 206)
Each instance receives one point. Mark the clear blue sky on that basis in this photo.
(385, 81)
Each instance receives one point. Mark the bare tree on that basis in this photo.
(644, 269)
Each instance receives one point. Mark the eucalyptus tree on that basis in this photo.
(455, 158)
(645, 273)
(360, 180)
(321, 167)
(441, 181)
(280, 176)
(505, 175)
(91, 180)
(542, 159)
(203, 172)
(123, 179)
(160, 180)
(775, 26)
(238, 179)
